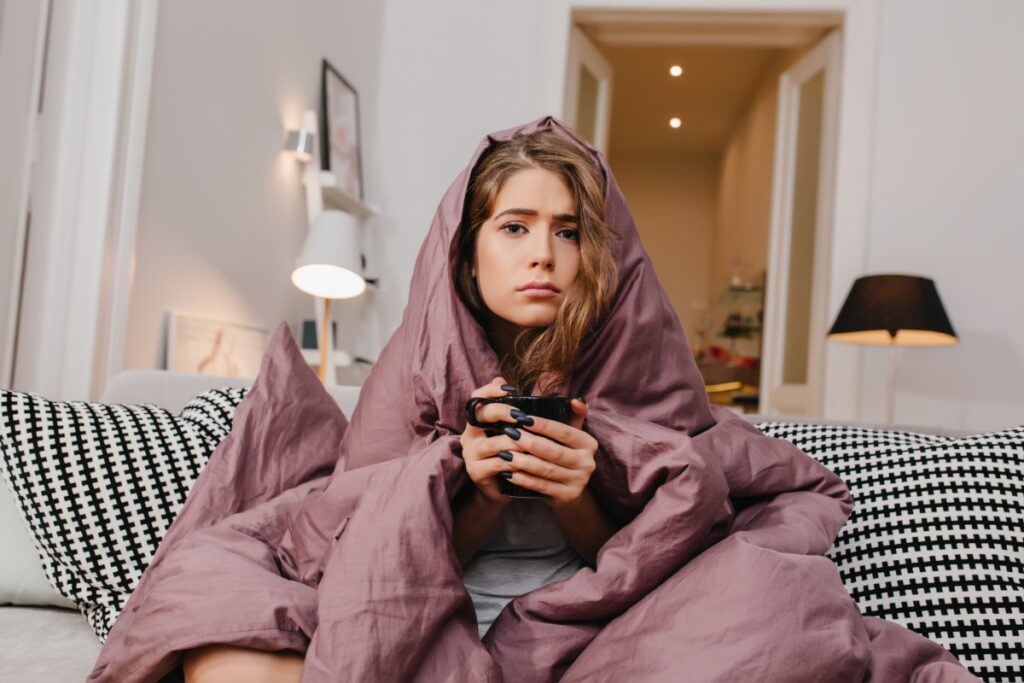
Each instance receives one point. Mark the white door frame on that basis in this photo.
(854, 140)
(776, 397)
(583, 53)
(85, 196)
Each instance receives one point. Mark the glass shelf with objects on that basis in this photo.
(728, 352)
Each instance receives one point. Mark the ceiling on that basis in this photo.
(723, 54)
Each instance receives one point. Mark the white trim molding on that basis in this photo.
(85, 195)
(778, 397)
(23, 29)
(117, 292)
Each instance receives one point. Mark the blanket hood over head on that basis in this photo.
(716, 574)
(637, 363)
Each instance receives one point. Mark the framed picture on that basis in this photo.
(339, 126)
(213, 347)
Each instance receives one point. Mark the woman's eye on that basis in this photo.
(571, 234)
(513, 225)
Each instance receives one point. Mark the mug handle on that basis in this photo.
(471, 406)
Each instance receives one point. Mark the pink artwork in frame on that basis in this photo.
(339, 122)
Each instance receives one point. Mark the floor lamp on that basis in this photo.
(329, 267)
(893, 310)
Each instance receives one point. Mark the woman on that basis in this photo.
(535, 269)
(522, 226)
(677, 542)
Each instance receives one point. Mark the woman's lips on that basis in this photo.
(539, 292)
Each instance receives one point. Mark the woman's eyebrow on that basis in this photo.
(564, 217)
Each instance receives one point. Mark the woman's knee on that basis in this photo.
(228, 663)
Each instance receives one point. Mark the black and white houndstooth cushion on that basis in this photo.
(936, 538)
(98, 485)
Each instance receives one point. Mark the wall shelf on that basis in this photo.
(339, 198)
(323, 192)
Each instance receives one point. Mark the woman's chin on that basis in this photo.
(534, 320)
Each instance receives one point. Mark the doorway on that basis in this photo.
(708, 144)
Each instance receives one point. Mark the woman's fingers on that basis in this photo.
(496, 412)
(492, 390)
(522, 462)
(579, 413)
(543, 486)
(531, 464)
(520, 439)
(488, 412)
(565, 434)
(494, 465)
(535, 445)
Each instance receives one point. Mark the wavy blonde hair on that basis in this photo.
(554, 348)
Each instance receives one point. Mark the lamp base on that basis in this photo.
(325, 336)
(891, 384)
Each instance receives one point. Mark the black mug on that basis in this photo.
(557, 408)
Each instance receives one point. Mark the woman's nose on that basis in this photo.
(543, 249)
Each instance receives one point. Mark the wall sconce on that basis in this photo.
(300, 143)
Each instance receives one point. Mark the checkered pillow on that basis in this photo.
(98, 485)
(936, 540)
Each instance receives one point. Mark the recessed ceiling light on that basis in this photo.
(675, 122)
(676, 70)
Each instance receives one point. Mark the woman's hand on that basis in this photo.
(480, 451)
(552, 458)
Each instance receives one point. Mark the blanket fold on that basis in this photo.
(331, 538)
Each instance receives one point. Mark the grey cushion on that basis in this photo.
(172, 390)
(45, 644)
(22, 581)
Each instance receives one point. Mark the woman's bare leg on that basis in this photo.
(230, 663)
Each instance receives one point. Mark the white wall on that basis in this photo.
(947, 203)
(743, 219)
(673, 202)
(222, 214)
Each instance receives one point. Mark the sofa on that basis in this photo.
(45, 638)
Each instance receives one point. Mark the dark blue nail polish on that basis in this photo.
(515, 412)
(508, 388)
(524, 421)
(505, 455)
(512, 433)
(505, 475)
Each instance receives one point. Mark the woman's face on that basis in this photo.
(531, 236)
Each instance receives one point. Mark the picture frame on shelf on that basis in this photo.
(340, 148)
(208, 346)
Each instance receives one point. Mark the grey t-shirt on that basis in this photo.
(526, 550)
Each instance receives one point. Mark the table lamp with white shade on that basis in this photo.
(330, 267)
(893, 310)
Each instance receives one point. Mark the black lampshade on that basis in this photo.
(893, 309)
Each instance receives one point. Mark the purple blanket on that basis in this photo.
(307, 533)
